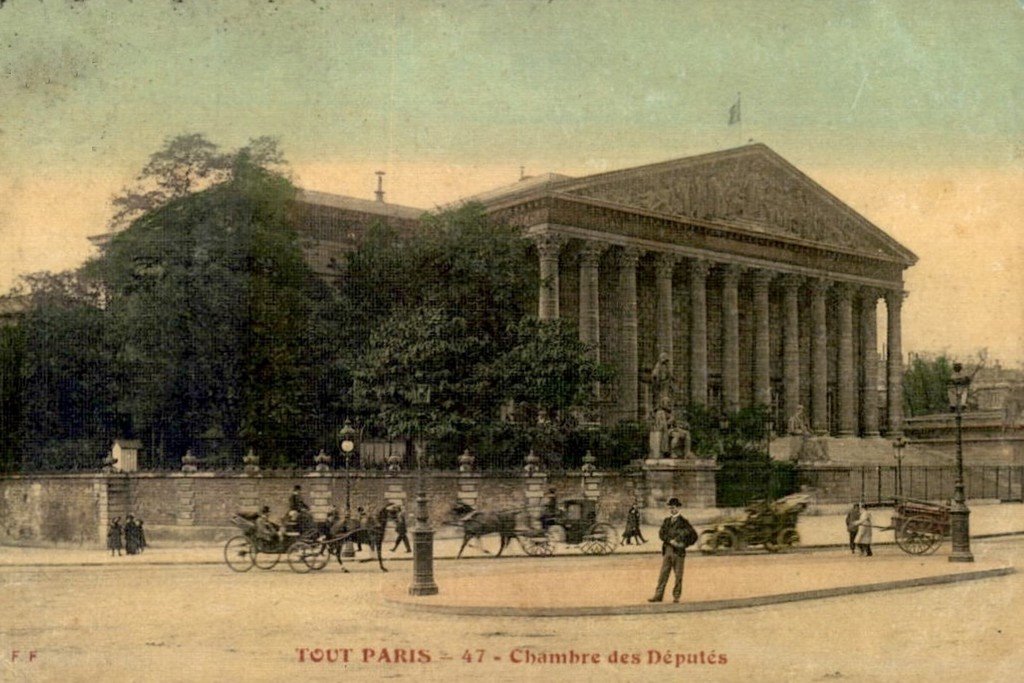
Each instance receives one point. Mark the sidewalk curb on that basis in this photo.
(705, 606)
(408, 558)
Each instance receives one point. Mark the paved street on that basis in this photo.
(188, 622)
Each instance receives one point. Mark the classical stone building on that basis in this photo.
(759, 285)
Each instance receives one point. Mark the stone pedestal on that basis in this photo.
(394, 493)
(806, 449)
(320, 496)
(247, 496)
(112, 495)
(592, 486)
(469, 489)
(534, 487)
(690, 480)
(185, 501)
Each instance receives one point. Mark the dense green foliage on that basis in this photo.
(925, 386)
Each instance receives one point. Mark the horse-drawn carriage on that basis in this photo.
(308, 545)
(575, 523)
(771, 525)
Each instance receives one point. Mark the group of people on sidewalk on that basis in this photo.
(131, 536)
(858, 526)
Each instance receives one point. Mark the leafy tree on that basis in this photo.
(63, 415)
(211, 301)
(925, 385)
(12, 351)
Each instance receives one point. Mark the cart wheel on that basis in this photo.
(297, 557)
(726, 541)
(536, 546)
(317, 556)
(788, 538)
(238, 553)
(555, 534)
(599, 540)
(706, 542)
(915, 536)
(266, 559)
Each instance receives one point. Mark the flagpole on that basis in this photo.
(739, 115)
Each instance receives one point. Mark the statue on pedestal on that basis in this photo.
(679, 440)
(662, 383)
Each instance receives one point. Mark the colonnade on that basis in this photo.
(802, 298)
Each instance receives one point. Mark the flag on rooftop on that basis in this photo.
(734, 112)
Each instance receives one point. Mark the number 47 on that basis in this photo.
(467, 656)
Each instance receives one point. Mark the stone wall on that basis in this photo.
(49, 508)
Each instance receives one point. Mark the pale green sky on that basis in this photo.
(908, 111)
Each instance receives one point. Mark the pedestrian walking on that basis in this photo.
(676, 534)
(142, 535)
(114, 536)
(851, 525)
(632, 531)
(401, 528)
(863, 537)
(131, 536)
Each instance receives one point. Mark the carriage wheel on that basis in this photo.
(915, 536)
(266, 557)
(536, 546)
(317, 556)
(555, 534)
(788, 538)
(297, 557)
(238, 553)
(726, 541)
(600, 539)
(706, 542)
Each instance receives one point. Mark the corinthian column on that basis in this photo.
(548, 248)
(819, 358)
(791, 344)
(590, 316)
(762, 340)
(869, 362)
(894, 362)
(731, 338)
(698, 332)
(629, 381)
(847, 398)
(663, 267)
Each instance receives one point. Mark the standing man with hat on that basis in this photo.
(676, 535)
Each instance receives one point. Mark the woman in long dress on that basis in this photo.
(863, 537)
(114, 536)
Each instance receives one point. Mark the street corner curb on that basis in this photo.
(432, 604)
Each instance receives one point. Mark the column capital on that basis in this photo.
(664, 264)
(868, 295)
(549, 244)
(590, 252)
(699, 267)
(895, 297)
(790, 281)
(762, 278)
(819, 285)
(844, 292)
(731, 273)
(630, 256)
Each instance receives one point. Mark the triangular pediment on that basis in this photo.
(751, 188)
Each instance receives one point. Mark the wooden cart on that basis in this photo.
(920, 525)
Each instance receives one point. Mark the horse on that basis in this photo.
(478, 523)
(336, 531)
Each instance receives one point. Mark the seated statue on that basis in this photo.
(798, 423)
(679, 440)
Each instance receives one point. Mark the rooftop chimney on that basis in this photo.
(380, 186)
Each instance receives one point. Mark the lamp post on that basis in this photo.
(422, 536)
(959, 514)
(345, 439)
(897, 447)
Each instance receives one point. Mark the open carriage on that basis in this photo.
(771, 525)
(248, 550)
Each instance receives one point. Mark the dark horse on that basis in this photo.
(478, 523)
(335, 531)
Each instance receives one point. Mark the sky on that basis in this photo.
(910, 112)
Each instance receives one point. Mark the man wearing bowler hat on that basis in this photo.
(676, 534)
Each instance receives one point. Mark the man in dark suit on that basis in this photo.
(676, 533)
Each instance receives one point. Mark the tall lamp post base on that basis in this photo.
(423, 563)
(347, 550)
(959, 526)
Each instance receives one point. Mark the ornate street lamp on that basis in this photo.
(346, 440)
(959, 514)
(897, 450)
(422, 536)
